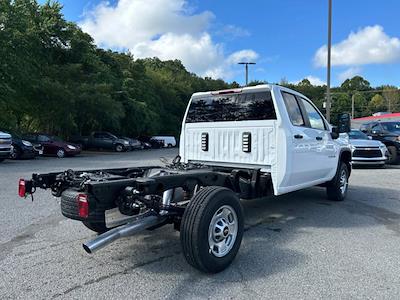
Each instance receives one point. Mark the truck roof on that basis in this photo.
(259, 87)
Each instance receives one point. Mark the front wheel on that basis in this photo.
(15, 153)
(212, 229)
(60, 153)
(119, 148)
(392, 155)
(337, 187)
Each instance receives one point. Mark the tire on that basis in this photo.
(96, 227)
(393, 156)
(205, 225)
(15, 153)
(60, 153)
(337, 188)
(119, 148)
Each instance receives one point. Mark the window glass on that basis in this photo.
(98, 135)
(376, 127)
(391, 126)
(232, 107)
(315, 118)
(43, 138)
(293, 109)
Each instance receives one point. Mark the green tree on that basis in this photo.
(357, 83)
(377, 104)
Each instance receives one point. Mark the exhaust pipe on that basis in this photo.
(140, 224)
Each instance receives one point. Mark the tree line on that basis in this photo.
(54, 79)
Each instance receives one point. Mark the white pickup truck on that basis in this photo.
(235, 144)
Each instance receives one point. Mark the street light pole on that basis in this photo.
(328, 72)
(247, 69)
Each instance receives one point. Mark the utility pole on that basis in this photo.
(328, 72)
(247, 69)
(352, 106)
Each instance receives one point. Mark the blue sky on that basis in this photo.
(282, 36)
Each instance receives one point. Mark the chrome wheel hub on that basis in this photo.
(343, 182)
(222, 231)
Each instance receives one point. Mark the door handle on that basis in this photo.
(298, 136)
(319, 138)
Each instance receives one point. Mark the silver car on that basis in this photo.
(366, 151)
(5, 145)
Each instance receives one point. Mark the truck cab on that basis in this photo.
(266, 127)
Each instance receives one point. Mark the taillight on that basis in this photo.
(83, 205)
(21, 188)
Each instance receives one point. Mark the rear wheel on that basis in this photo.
(212, 229)
(337, 187)
(393, 156)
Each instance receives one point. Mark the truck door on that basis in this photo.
(312, 152)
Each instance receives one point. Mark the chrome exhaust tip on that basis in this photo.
(140, 224)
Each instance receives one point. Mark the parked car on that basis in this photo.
(366, 151)
(156, 144)
(5, 145)
(167, 141)
(103, 140)
(388, 133)
(23, 148)
(134, 144)
(53, 145)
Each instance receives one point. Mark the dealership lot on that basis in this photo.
(295, 246)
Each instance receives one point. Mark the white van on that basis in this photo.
(169, 141)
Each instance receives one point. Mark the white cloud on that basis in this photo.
(349, 73)
(246, 55)
(313, 80)
(369, 45)
(166, 29)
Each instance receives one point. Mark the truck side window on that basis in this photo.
(315, 118)
(293, 109)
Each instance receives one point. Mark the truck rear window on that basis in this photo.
(232, 107)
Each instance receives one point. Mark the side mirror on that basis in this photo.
(335, 132)
(344, 123)
(376, 131)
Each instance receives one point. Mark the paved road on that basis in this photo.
(295, 246)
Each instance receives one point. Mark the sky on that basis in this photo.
(286, 38)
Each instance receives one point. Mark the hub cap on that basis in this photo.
(222, 231)
(343, 182)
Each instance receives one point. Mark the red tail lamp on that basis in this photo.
(83, 205)
(21, 188)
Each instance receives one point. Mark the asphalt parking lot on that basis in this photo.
(296, 246)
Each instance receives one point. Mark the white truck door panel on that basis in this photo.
(313, 156)
(225, 141)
